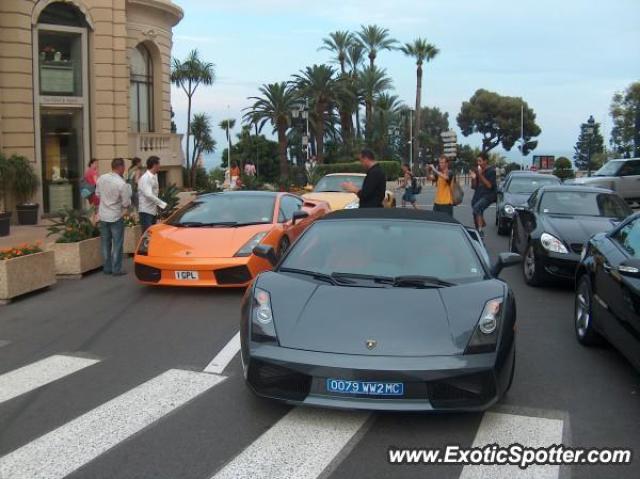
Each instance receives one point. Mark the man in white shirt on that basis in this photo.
(148, 190)
(115, 198)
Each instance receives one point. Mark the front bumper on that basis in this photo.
(237, 272)
(432, 383)
(559, 266)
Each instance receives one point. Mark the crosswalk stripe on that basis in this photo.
(65, 449)
(506, 429)
(301, 445)
(224, 357)
(35, 375)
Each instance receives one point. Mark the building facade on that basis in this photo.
(83, 79)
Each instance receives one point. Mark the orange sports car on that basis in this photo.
(210, 241)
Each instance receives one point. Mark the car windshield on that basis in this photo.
(225, 210)
(584, 203)
(529, 184)
(332, 183)
(387, 248)
(609, 169)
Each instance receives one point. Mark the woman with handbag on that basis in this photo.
(409, 184)
(443, 177)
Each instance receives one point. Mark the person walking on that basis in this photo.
(442, 176)
(483, 181)
(148, 190)
(373, 189)
(250, 169)
(88, 184)
(410, 184)
(133, 176)
(115, 198)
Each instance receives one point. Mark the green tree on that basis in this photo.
(588, 146)
(498, 119)
(422, 51)
(433, 121)
(563, 169)
(372, 81)
(189, 75)
(264, 153)
(375, 39)
(467, 157)
(513, 166)
(203, 141)
(386, 120)
(625, 113)
(355, 59)
(317, 83)
(274, 106)
(226, 126)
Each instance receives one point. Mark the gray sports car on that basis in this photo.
(384, 309)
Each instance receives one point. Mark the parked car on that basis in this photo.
(551, 230)
(515, 192)
(607, 302)
(328, 189)
(210, 241)
(425, 325)
(621, 176)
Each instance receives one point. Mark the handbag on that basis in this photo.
(457, 194)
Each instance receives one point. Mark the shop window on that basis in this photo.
(141, 90)
(60, 63)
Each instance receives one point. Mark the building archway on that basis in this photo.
(43, 5)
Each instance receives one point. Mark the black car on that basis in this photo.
(608, 290)
(556, 222)
(514, 192)
(383, 309)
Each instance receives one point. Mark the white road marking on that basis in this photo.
(65, 449)
(35, 375)
(301, 445)
(224, 357)
(506, 429)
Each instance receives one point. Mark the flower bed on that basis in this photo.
(132, 234)
(25, 269)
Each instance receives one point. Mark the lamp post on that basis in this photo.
(588, 131)
(410, 139)
(303, 112)
(257, 169)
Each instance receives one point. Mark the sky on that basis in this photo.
(566, 58)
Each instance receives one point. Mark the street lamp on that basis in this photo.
(588, 131)
(299, 111)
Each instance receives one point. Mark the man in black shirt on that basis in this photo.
(483, 181)
(375, 183)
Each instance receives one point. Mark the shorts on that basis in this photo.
(480, 205)
(408, 196)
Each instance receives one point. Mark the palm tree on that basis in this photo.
(355, 58)
(274, 106)
(422, 51)
(371, 82)
(226, 126)
(189, 75)
(203, 142)
(375, 39)
(387, 116)
(318, 84)
(339, 43)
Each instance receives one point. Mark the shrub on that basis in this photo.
(72, 226)
(170, 196)
(22, 250)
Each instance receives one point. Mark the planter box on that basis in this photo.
(75, 259)
(132, 236)
(25, 274)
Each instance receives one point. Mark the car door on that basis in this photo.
(628, 185)
(526, 222)
(289, 204)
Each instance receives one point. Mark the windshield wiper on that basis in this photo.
(251, 223)
(419, 281)
(369, 277)
(313, 274)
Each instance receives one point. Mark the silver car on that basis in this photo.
(621, 176)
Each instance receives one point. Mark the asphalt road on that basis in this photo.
(103, 378)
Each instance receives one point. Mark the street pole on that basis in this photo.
(257, 169)
(411, 140)
(522, 131)
(228, 142)
(307, 115)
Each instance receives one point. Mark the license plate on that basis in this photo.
(370, 388)
(187, 275)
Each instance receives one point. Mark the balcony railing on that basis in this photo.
(166, 146)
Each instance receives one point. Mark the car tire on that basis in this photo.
(283, 246)
(531, 268)
(513, 371)
(583, 314)
(512, 241)
(503, 230)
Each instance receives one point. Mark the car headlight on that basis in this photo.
(143, 245)
(485, 335)
(262, 327)
(247, 248)
(508, 209)
(353, 205)
(553, 244)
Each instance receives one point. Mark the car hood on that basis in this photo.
(403, 321)
(516, 199)
(595, 180)
(577, 229)
(337, 200)
(171, 241)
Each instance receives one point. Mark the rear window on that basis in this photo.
(583, 203)
(333, 183)
(527, 185)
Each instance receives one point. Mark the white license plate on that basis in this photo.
(187, 275)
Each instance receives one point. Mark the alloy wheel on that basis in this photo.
(583, 310)
(530, 263)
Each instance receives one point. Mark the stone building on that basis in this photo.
(82, 79)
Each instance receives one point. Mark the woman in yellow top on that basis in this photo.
(443, 177)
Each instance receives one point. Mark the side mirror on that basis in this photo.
(298, 215)
(630, 267)
(266, 252)
(505, 260)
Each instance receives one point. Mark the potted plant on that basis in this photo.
(24, 185)
(77, 248)
(5, 180)
(132, 234)
(170, 196)
(23, 269)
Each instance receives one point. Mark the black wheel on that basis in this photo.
(283, 246)
(513, 371)
(512, 240)
(583, 315)
(532, 270)
(503, 230)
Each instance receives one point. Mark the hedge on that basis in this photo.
(390, 168)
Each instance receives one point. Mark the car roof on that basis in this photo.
(563, 187)
(536, 175)
(268, 194)
(346, 174)
(390, 213)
